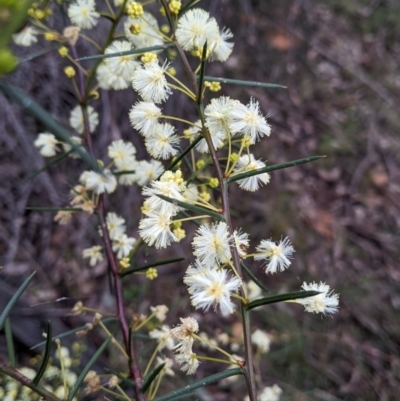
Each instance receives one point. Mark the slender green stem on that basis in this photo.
(114, 341)
(144, 321)
(180, 83)
(58, 342)
(178, 88)
(152, 358)
(182, 120)
(210, 344)
(204, 216)
(210, 358)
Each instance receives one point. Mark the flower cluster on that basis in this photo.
(155, 227)
(183, 334)
(121, 243)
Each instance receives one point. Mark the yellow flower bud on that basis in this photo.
(172, 71)
(175, 7)
(215, 86)
(234, 157)
(124, 263)
(63, 51)
(134, 10)
(94, 94)
(180, 233)
(213, 182)
(200, 164)
(69, 71)
(205, 196)
(40, 14)
(148, 57)
(246, 141)
(135, 29)
(151, 273)
(165, 28)
(50, 36)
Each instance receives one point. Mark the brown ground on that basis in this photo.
(340, 62)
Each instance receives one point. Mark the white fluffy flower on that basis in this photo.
(149, 34)
(217, 138)
(220, 48)
(166, 187)
(261, 340)
(248, 121)
(195, 27)
(241, 241)
(144, 117)
(191, 193)
(148, 171)
(94, 253)
(115, 225)
(26, 37)
(327, 302)
(124, 65)
(163, 142)
(160, 312)
(108, 80)
(155, 229)
(188, 362)
(168, 363)
(277, 254)
(182, 333)
(122, 245)
(67, 147)
(83, 14)
(129, 168)
(121, 152)
(218, 115)
(272, 393)
(211, 287)
(249, 163)
(212, 244)
(149, 80)
(163, 337)
(76, 119)
(99, 182)
(47, 144)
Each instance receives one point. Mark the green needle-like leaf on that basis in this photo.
(173, 395)
(241, 82)
(86, 369)
(48, 121)
(178, 158)
(253, 277)
(268, 169)
(280, 298)
(46, 355)
(148, 266)
(127, 53)
(14, 300)
(196, 209)
(38, 54)
(151, 376)
(54, 209)
(188, 5)
(201, 74)
(9, 343)
(73, 331)
(46, 166)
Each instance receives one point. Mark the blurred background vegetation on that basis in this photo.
(340, 62)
